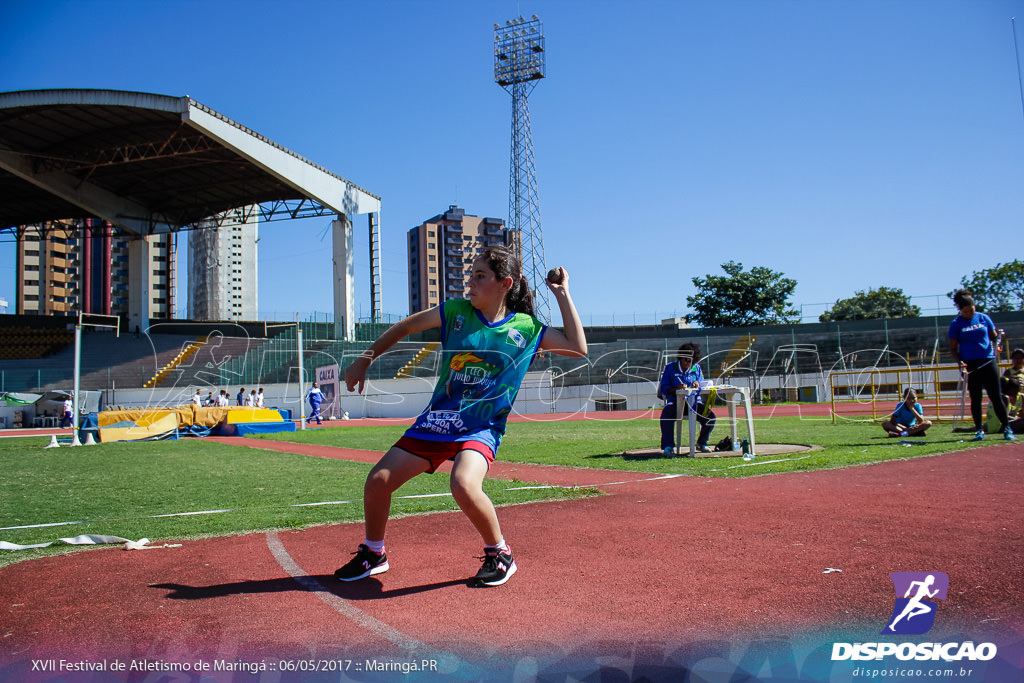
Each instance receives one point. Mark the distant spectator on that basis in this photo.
(1016, 371)
(197, 398)
(210, 400)
(240, 398)
(259, 398)
(67, 419)
(1011, 395)
(222, 399)
(908, 418)
(250, 400)
(315, 397)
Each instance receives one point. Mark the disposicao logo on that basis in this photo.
(914, 614)
(916, 595)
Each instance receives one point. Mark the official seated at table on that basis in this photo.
(679, 374)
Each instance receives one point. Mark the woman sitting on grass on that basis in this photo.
(908, 418)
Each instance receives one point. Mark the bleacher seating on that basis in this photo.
(25, 342)
(127, 361)
(409, 369)
(209, 364)
(107, 361)
(771, 352)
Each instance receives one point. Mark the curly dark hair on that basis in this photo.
(963, 297)
(689, 350)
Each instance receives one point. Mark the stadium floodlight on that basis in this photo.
(519, 52)
(519, 63)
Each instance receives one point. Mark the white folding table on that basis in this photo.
(732, 395)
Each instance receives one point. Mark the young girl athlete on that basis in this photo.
(488, 342)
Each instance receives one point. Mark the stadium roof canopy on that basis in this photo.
(150, 164)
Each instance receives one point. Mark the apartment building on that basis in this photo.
(82, 265)
(441, 253)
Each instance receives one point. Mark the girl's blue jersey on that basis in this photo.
(482, 366)
(904, 415)
(974, 336)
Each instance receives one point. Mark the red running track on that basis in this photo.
(658, 572)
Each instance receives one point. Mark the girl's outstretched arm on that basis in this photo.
(355, 373)
(573, 341)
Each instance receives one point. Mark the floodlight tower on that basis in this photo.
(518, 65)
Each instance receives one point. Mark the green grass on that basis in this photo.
(602, 444)
(116, 488)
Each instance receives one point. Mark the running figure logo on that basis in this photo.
(914, 612)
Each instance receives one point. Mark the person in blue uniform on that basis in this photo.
(971, 343)
(685, 372)
(488, 342)
(315, 396)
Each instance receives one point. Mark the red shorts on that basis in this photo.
(438, 452)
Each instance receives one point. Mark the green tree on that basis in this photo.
(758, 297)
(999, 289)
(872, 305)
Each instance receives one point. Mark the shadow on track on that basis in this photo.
(367, 589)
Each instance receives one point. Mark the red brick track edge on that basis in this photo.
(662, 578)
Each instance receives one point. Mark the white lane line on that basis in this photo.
(343, 502)
(298, 505)
(447, 662)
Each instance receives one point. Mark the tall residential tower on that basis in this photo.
(222, 274)
(441, 253)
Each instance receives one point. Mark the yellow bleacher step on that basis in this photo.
(166, 370)
(742, 346)
(421, 355)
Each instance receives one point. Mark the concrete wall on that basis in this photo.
(539, 394)
(406, 398)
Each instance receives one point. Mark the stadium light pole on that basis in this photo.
(519, 64)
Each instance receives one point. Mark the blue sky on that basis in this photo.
(847, 144)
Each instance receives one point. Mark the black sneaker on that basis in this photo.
(365, 563)
(498, 568)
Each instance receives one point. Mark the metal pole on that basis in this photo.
(74, 398)
(832, 391)
(1016, 52)
(302, 376)
(873, 392)
(885, 322)
(796, 360)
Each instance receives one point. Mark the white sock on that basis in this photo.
(375, 546)
(501, 547)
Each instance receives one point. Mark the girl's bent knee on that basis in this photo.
(377, 481)
(465, 487)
